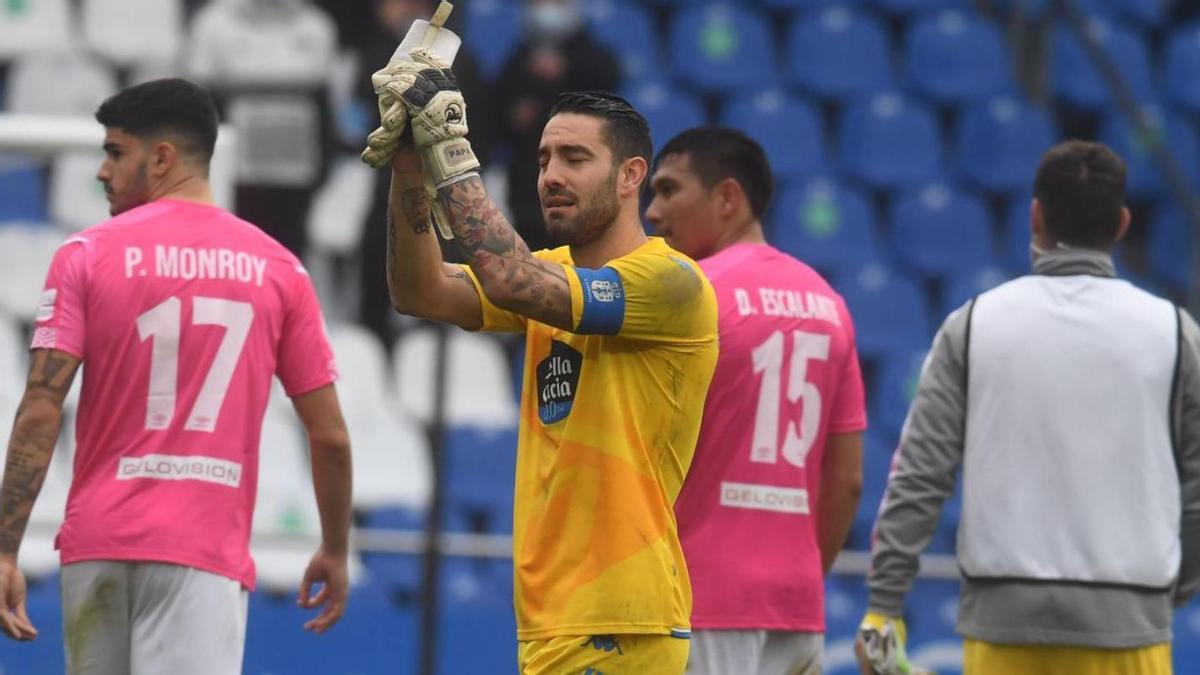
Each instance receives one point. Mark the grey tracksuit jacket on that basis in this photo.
(1015, 609)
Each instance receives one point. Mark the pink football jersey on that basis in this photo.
(182, 313)
(787, 377)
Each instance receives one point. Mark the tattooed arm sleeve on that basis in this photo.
(420, 283)
(511, 277)
(34, 433)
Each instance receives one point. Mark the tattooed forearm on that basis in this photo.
(414, 204)
(35, 431)
(510, 275)
(463, 277)
(29, 452)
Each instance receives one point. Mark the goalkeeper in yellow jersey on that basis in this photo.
(621, 341)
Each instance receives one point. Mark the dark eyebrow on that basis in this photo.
(659, 182)
(111, 147)
(576, 149)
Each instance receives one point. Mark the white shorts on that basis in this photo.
(144, 618)
(755, 652)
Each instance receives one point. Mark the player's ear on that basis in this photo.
(1037, 223)
(1123, 227)
(631, 175)
(729, 197)
(163, 157)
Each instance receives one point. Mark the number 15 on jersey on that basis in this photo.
(768, 360)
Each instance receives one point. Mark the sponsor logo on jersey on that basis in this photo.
(764, 497)
(45, 309)
(181, 467)
(557, 381)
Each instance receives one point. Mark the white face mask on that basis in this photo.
(553, 21)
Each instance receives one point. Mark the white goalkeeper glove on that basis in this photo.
(436, 112)
(879, 647)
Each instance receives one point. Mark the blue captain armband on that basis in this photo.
(603, 301)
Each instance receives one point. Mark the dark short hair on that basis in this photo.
(717, 153)
(626, 132)
(1081, 189)
(172, 106)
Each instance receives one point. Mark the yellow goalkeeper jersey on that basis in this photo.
(609, 418)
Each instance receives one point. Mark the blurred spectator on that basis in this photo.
(392, 20)
(268, 63)
(555, 55)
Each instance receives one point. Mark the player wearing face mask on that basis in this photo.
(555, 55)
(392, 19)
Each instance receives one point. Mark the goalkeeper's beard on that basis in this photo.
(593, 219)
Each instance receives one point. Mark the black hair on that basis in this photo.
(716, 153)
(626, 132)
(1081, 189)
(172, 106)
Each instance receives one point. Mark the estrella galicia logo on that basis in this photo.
(557, 379)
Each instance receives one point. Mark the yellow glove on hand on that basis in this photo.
(880, 647)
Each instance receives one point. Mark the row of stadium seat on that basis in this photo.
(939, 232)
(380, 631)
(378, 635)
(890, 140)
(126, 32)
(1150, 12)
(836, 50)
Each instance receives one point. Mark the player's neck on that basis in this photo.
(750, 233)
(622, 238)
(185, 188)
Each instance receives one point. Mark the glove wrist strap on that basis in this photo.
(448, 162)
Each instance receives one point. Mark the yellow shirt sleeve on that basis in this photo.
(495, 320)
(648, 296)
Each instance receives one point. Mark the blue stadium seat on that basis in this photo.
(1148, 12)
(667, 110)
(1001, 141)
(480, 469)
(1015, 234)
(787, 128)
(838, 53)
(43, 656)
(375, 635)
(1076, 82)
(845, 602)
(890, 311)
(477, 629)
(932, 606)
(721, 46)
(962, 286)
(888, 141)
(1030, 9)
(807, 5)
(1185, 651)
(938, 230)
(1144, 177)
(879, 447)
(910, 6)
(825, 224)
(22, 190)
(1182, 63)
(1170, 247)
(895, 386)
(954, 56)
(629, 31)
(391, 571)
(492, 28)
